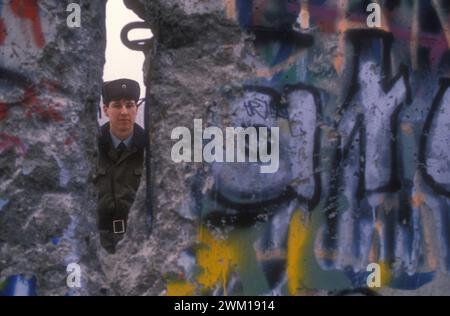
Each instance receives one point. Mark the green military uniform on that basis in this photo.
(117, 179)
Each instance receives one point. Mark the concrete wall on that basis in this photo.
(364, 165)
(50, 76)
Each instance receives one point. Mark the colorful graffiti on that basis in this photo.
(29, 10)
(23, 92)
(18, 285)
(38, 123)
(18, 88)
(364, 158)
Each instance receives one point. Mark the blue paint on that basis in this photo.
(402, 281)
(285, 51)
(411, 282)
(56, 240)
(357, 279)
(245, 12)
(3, 203)
(19, 285)
(377, 50)
(71, 292)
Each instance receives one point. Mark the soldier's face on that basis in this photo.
(122, 115)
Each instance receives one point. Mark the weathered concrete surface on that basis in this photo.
(363, 153)
(50, 81)
(179, 87)
(358, 190)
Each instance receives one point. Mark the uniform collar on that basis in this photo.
(105, 139)
(116, 141)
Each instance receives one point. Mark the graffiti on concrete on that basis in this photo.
(367, 162)
(363, 157)
(18, 285)
(29, 10)
(431, 193)
(39, 138)
(23, 40)
(19, 90)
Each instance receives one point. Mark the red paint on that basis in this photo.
(28, 9)
(52, 114)
(3, 110)
(72, 138)
(51, 86)
(2, 31)
(48, 113)
(34, 106)
(27, 99)
(7, 141)
(69, 141)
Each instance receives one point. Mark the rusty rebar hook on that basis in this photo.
(140, 44)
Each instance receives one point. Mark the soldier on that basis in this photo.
(121, 156)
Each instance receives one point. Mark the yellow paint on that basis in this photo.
(386, 273)
(298, 238)
(180, 288)
(216, 258)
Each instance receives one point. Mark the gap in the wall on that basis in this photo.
(122, 62)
